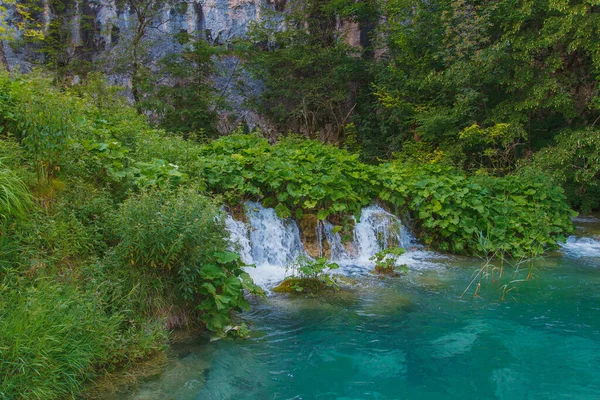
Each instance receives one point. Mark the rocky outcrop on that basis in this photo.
(98, 28)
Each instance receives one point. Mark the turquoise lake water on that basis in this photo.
(412, 337)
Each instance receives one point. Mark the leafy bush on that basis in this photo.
(478, 214)
(175, 244)
(41, 118)
(385, 261)
(308, 276)
(574, 163)
(113, 158)
(294, 176)
(452, 211)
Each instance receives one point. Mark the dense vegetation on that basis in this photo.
(104, 247)
(478, 121)
(515, 215)
(481, 85)
(106, 217)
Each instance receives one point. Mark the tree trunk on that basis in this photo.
(46, 13)
(3, 59)
(135, 83)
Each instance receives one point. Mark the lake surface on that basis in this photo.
(413, 337)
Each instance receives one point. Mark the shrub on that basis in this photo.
(514, 215)
(295, 176)
(42, 118)
(308, 276)
(478, 214)
(574, 163)
(385, 262)
(174, 243)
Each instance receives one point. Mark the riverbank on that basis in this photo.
(413, 337)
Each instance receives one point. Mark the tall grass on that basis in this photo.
(15, 197)
(52, 338)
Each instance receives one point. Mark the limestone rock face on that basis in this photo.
(228, 19)
(220, 20)
(101, 28)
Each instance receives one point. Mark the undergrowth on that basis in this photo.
(111, 232)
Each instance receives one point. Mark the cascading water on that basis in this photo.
(239, 235)
(274, 241)
(339, 253)
(578, 247)
(378, 230)
(266, 241)
(271, 243)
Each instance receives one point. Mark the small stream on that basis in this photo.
(412, 337)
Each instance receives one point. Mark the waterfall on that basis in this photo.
(339, 253)
(378, 230)
(271, 243)
(266, 241)
(240, 238)
(578, 247)
(274, 241)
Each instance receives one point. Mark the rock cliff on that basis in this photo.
(98, 28)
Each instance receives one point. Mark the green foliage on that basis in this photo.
(52, 338)
(85, 131)
(41, 118)
(189, 105)
(112, 157)
(574, 163)
(178, 238)
(385, 261)
(94, 154)
(514, 215)
(308, 276)
(294, 176)
(520, 216)
(493, 148)
(306, 68)
(15, 198)
(165, 230)
(451, 66)
(221, 285)
(54, 241)
(121, 234)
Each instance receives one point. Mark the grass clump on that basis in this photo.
(308, 276)
(53, 338)
(386, 260)
(15, 197)
(174, 244)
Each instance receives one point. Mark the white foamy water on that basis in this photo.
(240, 238)
(271, 243)
(265, 241)
(581, 247)
(274, 241)
(376, 231)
